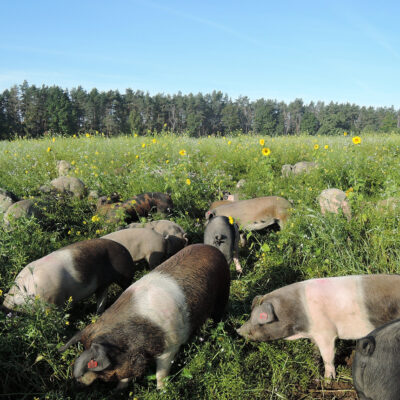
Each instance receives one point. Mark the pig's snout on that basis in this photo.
(244, 330)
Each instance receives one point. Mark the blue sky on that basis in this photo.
(342, 51)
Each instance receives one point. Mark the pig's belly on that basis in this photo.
(336, 308)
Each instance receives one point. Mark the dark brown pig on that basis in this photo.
(345, 307)
(154, 317)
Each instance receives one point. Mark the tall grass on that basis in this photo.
(216, 363)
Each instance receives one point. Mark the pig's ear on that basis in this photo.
(256, 301)
(100, 360)
(210, 215)
(263, 314)
(366, 346)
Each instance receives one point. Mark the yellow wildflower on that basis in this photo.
(48, 149)
(266, 151)
(1, 292)
(316, 146)
(66, 322)
(326, 147)
(154, 140)
(166, 161)
(188, 182)
(70, 299)
(98, 231)
(95, 218)
(136, 156)
(133, 201)
(349, 190)
(229, 142)
(143, 145)
(87, 134)
(356, 140)
(344, 133)
(135, 135)
(74, 135)
(262, 142)
(182, 152)
(72, 162)
(230, 220)
(53, 140)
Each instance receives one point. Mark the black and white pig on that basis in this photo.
(345, 307)
(76, 271)
(224, 235)
(154, 317)
(376, 365)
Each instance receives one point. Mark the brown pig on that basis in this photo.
(255, 214)
(154, 317)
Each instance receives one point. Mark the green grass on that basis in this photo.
(216, 363)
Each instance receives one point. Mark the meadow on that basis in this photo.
(216, 363)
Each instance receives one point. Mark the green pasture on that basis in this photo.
(216, 363)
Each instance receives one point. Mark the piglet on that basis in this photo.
(346, 307)
(154, 317)
(76, 271)
(376, 365)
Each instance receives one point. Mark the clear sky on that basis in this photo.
(342, 51)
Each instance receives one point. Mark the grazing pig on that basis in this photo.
(65, 185)
(224, 235)
(255, 214)
(154, 317)
(298, 168)
(346, 307)
(227, 199)
(76, 271)
(6, 200)
(333, 200)
(143, 204)
(143, 244)
(63, 167)
(138, 206)
(376, 365)
(176, 236)
(24, 208)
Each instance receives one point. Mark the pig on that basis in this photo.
(76, 271)
(333, 200)
(226, 199)
(138, 206)
(24, 208)
(143, 204)
(224, 235)
(144, 244)
(63, 167)
(298, 168)
(390, 204)
(6, 200)
(255, 214)
(376, 364)
(176, 236)
(345, 307)
(154, 317)
(65, 185)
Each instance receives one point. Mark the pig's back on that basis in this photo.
(337, 305)
(382, 297)
(202, 272)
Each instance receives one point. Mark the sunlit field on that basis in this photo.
(216, 363)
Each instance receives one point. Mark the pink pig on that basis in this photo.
(346, 307)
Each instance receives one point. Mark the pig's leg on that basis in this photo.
(236, 251)
(164, 365)
(101, 295)
(123, 384)
(155, 259)
(326, 345)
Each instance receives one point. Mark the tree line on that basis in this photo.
(31, 111)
